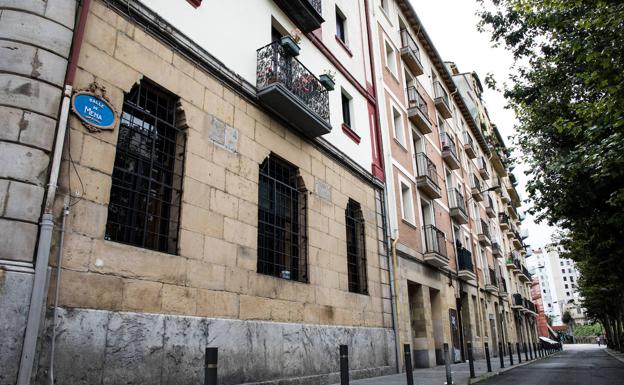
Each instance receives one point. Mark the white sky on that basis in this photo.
(451, 24)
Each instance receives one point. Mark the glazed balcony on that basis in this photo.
(457, 206)
(483, 233)
(417, 111)
(449, 150)
(441, 100)
(484, 170)
(497, 252)
(427, 176)
(475, 188)
(435, 247)
(410, 53)
(465, 266)
(503, 220)
(489, 207)
(306, 14)
(289, 89)
(469, 146)
(492, 285)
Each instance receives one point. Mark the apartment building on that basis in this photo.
(238, 203)
(558, 282)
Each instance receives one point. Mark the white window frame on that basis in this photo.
(402, 137)
(407, 209)
(393, 66)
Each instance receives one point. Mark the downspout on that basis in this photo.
(35, 313)
(392, 266)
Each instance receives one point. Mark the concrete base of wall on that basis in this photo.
(15, 290)
(104, 347)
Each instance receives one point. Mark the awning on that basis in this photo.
(548, 340)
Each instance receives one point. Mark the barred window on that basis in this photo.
(282, 240)
(356, 252)
(144, 206)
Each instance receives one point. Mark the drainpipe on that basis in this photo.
(35, 313)
(395, 306)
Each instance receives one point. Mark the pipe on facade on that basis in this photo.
(395, 297)
(37, 298)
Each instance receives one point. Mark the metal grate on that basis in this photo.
(281, 221)
(356, 251)
(144, 208)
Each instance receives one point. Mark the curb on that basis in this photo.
(508, 368)
(614, 355)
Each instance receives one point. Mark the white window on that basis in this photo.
(399, 130)
(391, 59)
(385, 5)
(407, 205)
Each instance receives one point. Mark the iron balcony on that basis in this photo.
(289, 89)
(484, 233)
(457, 206)
(475, 190)
(449, 150)
(465, 266)
(524, 275)
(435, 247)
(410, 53)
(492, 285)
(503, 220)
(484, 171)
(517, 302)
(489, 207)
(427, 176)
(306, 14)
(469, 146)
(496, 250)
(441, 100)
(417, 111)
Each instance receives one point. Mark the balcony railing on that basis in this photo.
(306, 14)
(418, 111)
(503, 220)
(502, 286)
(411, 53)
(489, 207)
(442, 100)
(457, 206)
(427, 175)
(517, 300)
(496, 249)
(464, 259)
(286, 86)
(483, 168)
(469, 145)
(493, 280)
(449, 150)
(484, 233)
(435, 241)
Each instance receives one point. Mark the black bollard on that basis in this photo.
(210, 366)
(535, 350)
(526, 353)
(409, 372)
(470, 360)
(530, 351)
(501, 355)
(519, 352)
(510, 353)
(344, 365)
(487, 357)
(447, 364)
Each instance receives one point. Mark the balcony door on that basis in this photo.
(426, 208)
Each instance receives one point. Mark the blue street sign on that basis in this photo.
(95, 112)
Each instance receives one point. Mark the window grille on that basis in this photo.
(144, 208)
(356, 251)
(282, 240)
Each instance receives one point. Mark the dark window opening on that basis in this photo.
(282, 242)
(356, 250)
(144, 208)
(276, 35)
(346, 110)
(341, 22)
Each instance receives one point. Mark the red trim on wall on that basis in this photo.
(351, 134)
(343, 45)
(194, 3)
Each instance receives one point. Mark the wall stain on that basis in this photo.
(36, 65)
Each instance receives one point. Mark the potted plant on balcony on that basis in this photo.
(327, 79)
(290, 43)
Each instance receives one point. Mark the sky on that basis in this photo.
(452, 26)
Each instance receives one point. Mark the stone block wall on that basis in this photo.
(214, 275)
(35, 40)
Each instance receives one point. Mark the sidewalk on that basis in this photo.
(437, 375)
(615, 354)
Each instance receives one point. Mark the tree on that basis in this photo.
(568, 95)
(567, 318)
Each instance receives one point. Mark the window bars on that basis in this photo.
(282, 241)
(144, 208)
(356, 251)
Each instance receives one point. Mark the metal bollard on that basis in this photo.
(470, 360)
(210, 366)
(501, 355)
(487, 358)
(447, 364)
(530, 351)
(526, 353)
(344, 365)
(519, 352)
(409, 371)
(510, 354)
(535, 350)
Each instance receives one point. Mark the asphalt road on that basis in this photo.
(575, 365)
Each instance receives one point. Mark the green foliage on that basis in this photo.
(568, 94)
(595, 329)
(567, 318)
